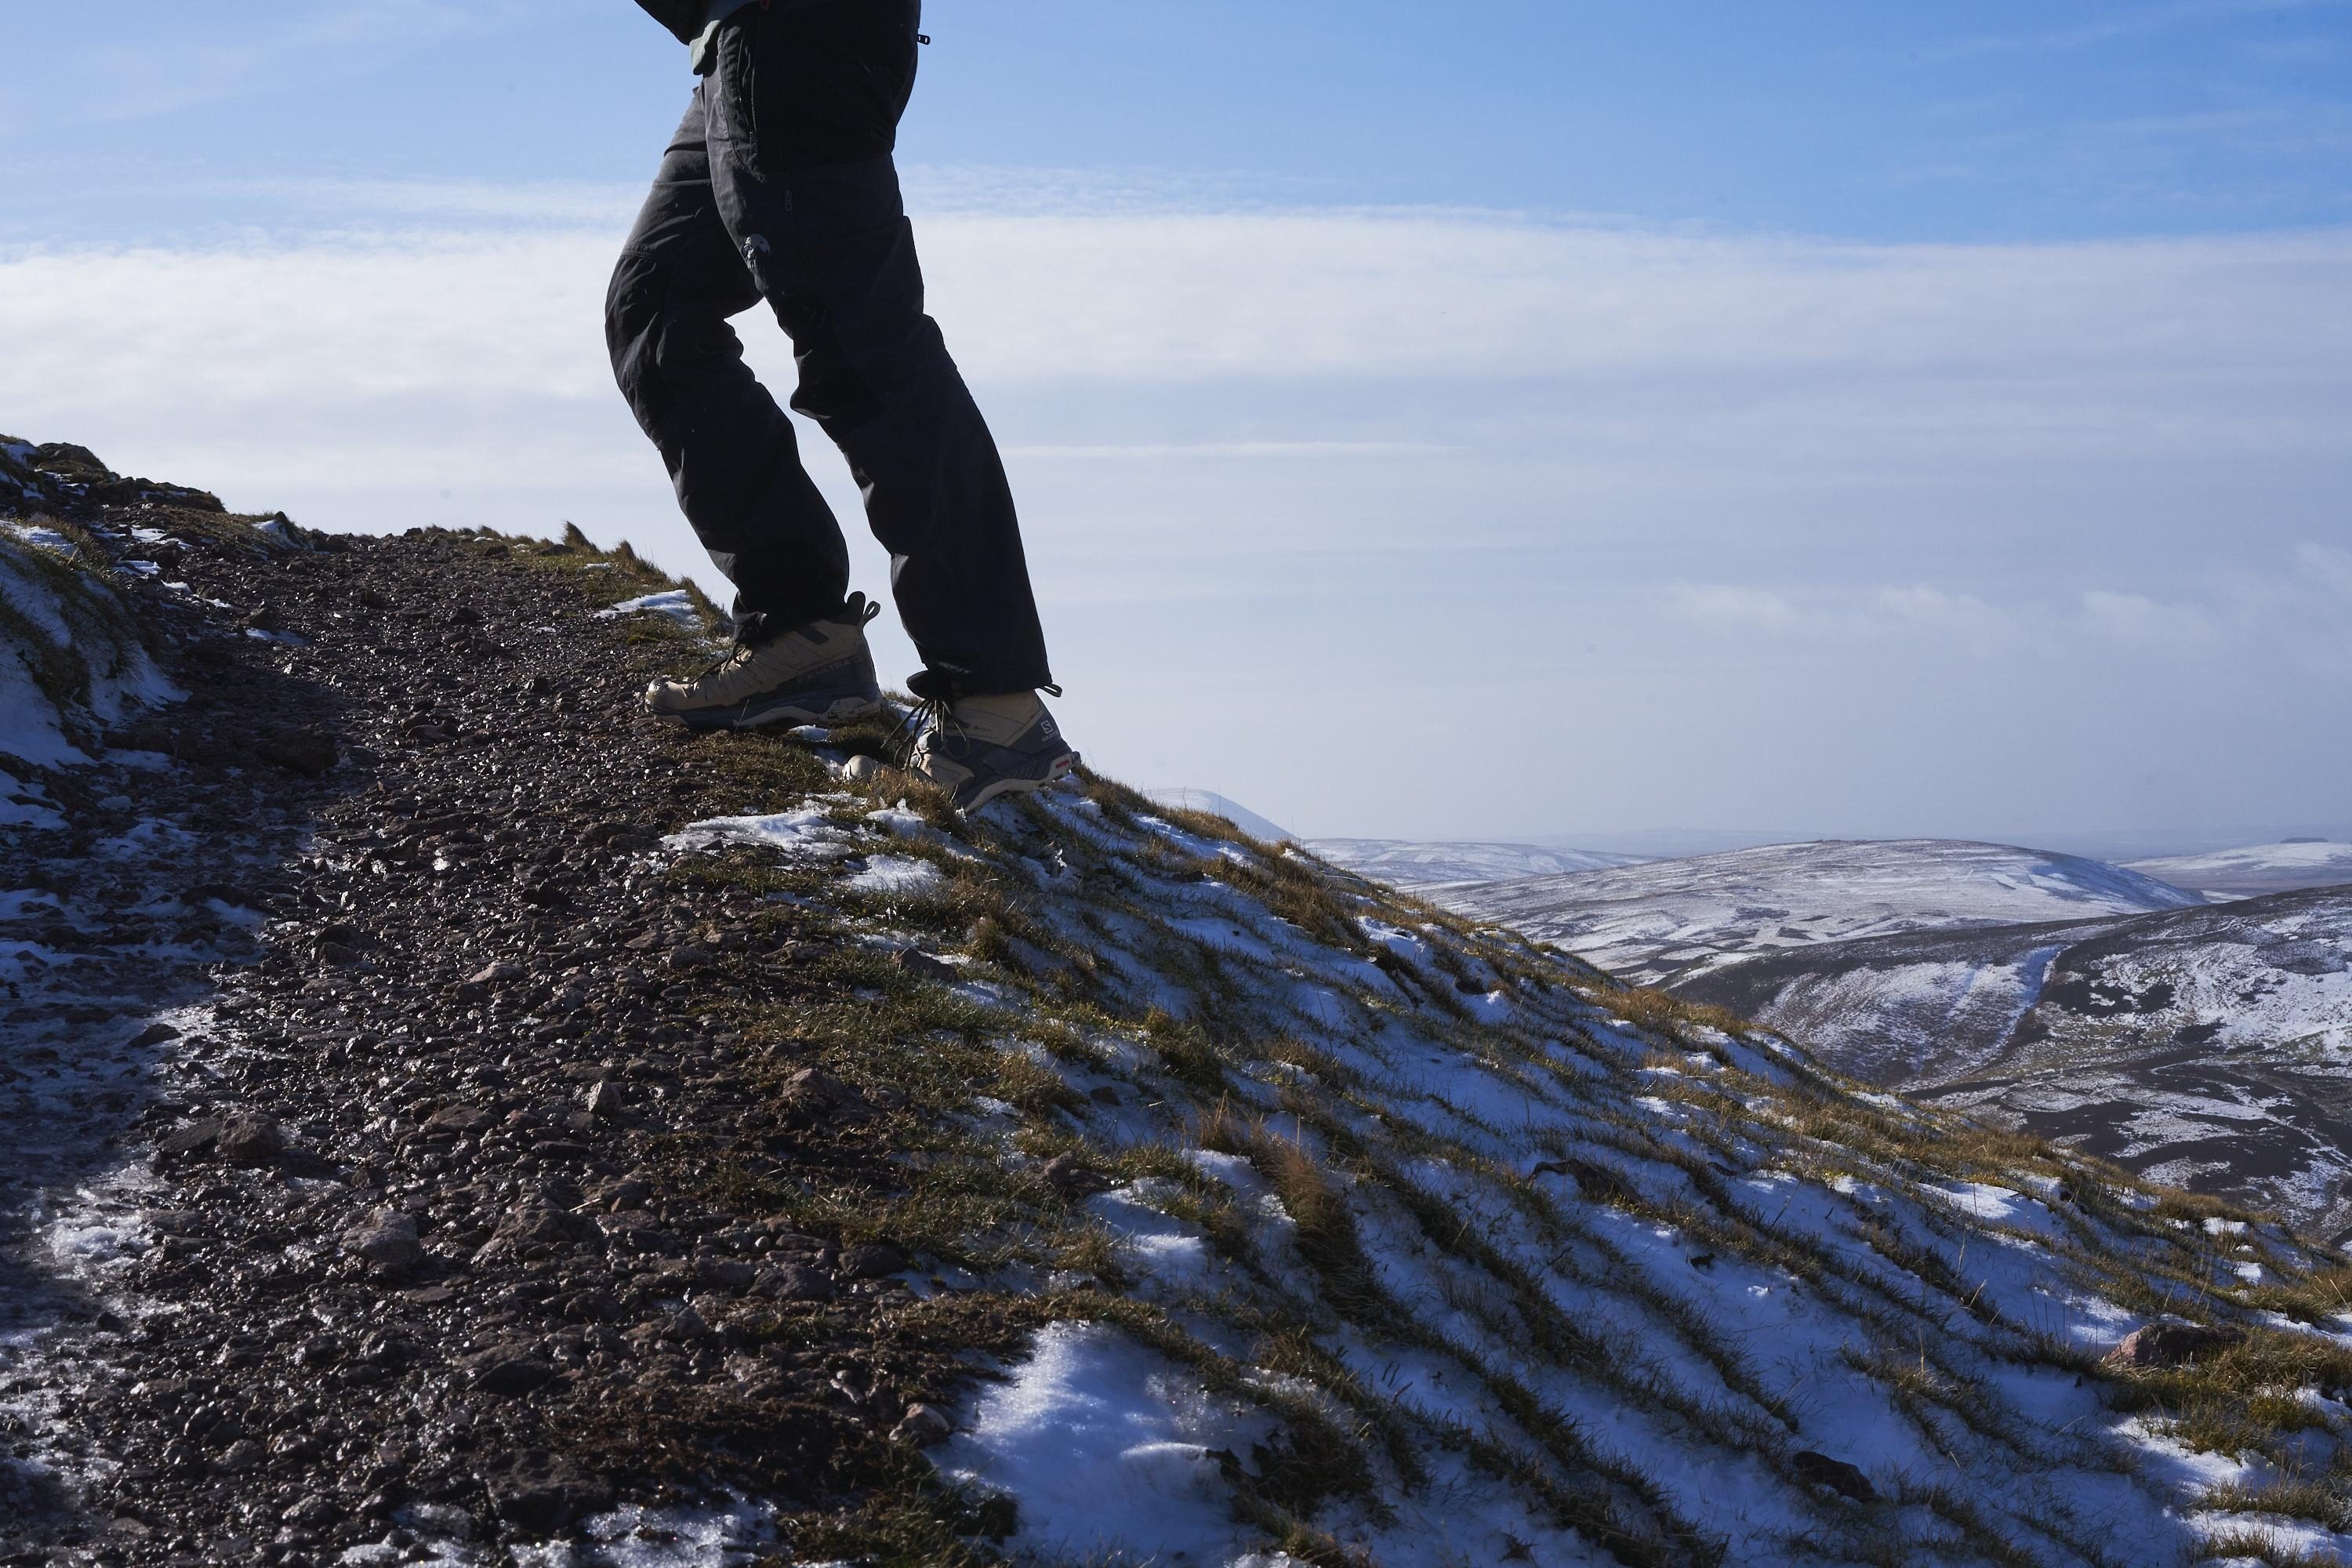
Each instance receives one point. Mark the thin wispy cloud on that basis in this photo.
(163, 73)
(2293, 611)
(2131, 25)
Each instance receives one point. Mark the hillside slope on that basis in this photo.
(653, 1143)
(2256, 869)
(1425, 864)
(1661, 922)
(2204, 1045)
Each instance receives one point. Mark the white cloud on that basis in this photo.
(1371, 462)
(2329, 566)
(167, 71)
(2262, 615)
(1731, 605)
(2142, 622)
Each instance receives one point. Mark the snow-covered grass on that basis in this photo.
(72, 662)
(1410, 1241)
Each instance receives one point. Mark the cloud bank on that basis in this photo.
(1849, 537)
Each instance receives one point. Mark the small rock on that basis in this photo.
(620, 1196)
(311, 752)
(441, 1519)
(458, 1118)
(686, 1324)
(312, 1514)
(873, 1260)
(1066, 1175)
(813, 1096)
(386, 1239)
(592, 1307)
(922, 965)
(319, 1351)
(507, 1372)
(245, 1454)
(251, 1138)
(604, 1101)
(533, 1228)
(192, 1139)
(291, 1450)
(537, 1490)
(924, 1427)
(862, 769)
(792, 1282)
(1820, 1470)
(2170, 1344)
(731, 1274)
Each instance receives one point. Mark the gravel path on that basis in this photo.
(371, 1207)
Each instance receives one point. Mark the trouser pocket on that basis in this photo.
(733, 90)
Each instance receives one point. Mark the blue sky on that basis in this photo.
(1496, 420)
(1864, 121)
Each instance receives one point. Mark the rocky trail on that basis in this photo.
(450, 1117)
(360, 947)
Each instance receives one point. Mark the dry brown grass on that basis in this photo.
(1663, 1013)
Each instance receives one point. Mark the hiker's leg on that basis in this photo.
(810, 100)
(728, 448)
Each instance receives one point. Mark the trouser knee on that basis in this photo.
(632, 331)
(667, 344)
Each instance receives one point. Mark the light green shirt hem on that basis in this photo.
(719, 10)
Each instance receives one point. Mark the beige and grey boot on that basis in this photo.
(977, 748)
(822, 673)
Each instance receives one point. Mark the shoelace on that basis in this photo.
(930, 715)
(933, 713)
(728, 660)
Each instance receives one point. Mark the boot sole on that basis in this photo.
(1063, 768)
(794, 710)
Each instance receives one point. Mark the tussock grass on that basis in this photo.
(2262, 1547)
(1522, 1281)
(2325, 1500)
(1663, 1013)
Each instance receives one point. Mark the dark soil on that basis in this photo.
(465, 1214)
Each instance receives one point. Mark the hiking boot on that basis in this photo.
(821, 673)
(977, 748)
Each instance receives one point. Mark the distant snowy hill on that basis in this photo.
(2256, 869)
(1670, 920)
(1409, 863)
(2208, 1045)
(1231, 810)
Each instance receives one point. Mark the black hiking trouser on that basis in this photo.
(779, 185)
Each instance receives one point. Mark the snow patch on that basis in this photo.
(33, 533)
(898, 875)
(804, 833)
(675, 603)
(1108, 1447)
